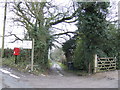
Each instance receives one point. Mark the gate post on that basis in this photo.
(95, 63)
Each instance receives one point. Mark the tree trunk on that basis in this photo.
(89, 70)
(41, 54)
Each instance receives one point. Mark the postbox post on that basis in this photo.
(16, 59)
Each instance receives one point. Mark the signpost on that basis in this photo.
(32, 57)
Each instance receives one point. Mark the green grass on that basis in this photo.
(21, 66)
(50, 63)
(76, 72)
(10, 62)
(64, 67)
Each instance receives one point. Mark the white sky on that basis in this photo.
(20, 31)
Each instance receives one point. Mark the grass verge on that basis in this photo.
(76, 72)
(21, 66)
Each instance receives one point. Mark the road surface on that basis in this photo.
(13, 79)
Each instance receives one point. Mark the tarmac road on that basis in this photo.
(13, 79)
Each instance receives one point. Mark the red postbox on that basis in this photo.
(16, 51)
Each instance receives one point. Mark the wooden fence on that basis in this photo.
(104, 64)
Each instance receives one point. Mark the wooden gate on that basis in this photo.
(104, 64)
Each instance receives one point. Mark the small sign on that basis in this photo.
(27, 44)
(19, 44)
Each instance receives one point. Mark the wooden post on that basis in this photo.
(2, 51)
(16, 59)
(32, 57)
(89, 71)
(95, 63)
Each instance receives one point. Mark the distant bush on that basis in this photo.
(8, 53)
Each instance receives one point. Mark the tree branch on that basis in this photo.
(63, 19)
(16, 37)
(64, 33)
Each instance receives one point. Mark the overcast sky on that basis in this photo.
(20, 31)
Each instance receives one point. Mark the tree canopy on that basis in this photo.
(92, 37)
(38, 19)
